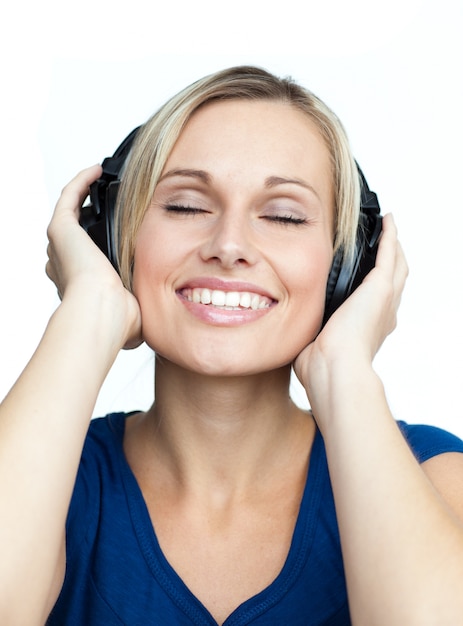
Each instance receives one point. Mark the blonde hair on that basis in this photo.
(157, 137)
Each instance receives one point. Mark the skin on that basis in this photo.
(222, 414)
(224, 448)
(234, 240)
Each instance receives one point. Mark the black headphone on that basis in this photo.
(97, 218)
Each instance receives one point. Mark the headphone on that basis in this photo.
(97, 218)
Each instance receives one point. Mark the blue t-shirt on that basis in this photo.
(117, 574)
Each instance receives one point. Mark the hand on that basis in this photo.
(355, 332)
(75, 263)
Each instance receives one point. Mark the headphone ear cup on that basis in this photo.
(331, 285)
(109, 216)
(345, 276)
(98, 217)
(342, 280)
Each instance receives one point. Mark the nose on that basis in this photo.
(230, 242)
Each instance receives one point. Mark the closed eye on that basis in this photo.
(183, 210)
(286, 219)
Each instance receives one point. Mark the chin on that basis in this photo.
(232, 354)
(221, 365)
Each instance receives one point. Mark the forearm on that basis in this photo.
(402, 546)
(43, 422)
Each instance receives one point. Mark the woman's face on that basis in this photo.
(233, 255)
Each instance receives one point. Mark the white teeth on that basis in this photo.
(218, 298)
(232, 298)
(245, 300)
(205, 296)
(228, 299)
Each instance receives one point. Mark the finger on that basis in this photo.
(49, 271)
(402, 269)
(387, 249)
(391, 259)
(392, 253)
(75, 192)
(398, 268)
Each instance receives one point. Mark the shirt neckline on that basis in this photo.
(170, 581)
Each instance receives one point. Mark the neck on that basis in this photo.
(218, 434)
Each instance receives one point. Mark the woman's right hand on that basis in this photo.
(76, 264)
(44, 419)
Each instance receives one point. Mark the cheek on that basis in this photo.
(155, 256)
(307, 274)
(144, 272)
(305, 283)
(148, 273)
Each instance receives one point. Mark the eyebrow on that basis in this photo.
(274, 181)
(270, 181)
(200, 174)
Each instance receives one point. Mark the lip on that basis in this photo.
(217, 316)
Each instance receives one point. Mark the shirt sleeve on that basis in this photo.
(84, 506)
(428, 441)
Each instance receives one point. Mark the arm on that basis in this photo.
(45, 417)
(401, 535)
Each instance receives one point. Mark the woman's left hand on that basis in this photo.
(392, 514)
(355, 332)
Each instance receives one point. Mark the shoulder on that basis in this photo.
(441, 456)
(107, 427)
(98, 472)
(103, 449)
(427, 441)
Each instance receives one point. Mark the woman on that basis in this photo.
(215, 505)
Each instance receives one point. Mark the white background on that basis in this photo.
(76, 77)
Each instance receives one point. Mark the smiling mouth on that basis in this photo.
(227, 300)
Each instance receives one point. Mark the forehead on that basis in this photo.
(277, 130)
(246, 142)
